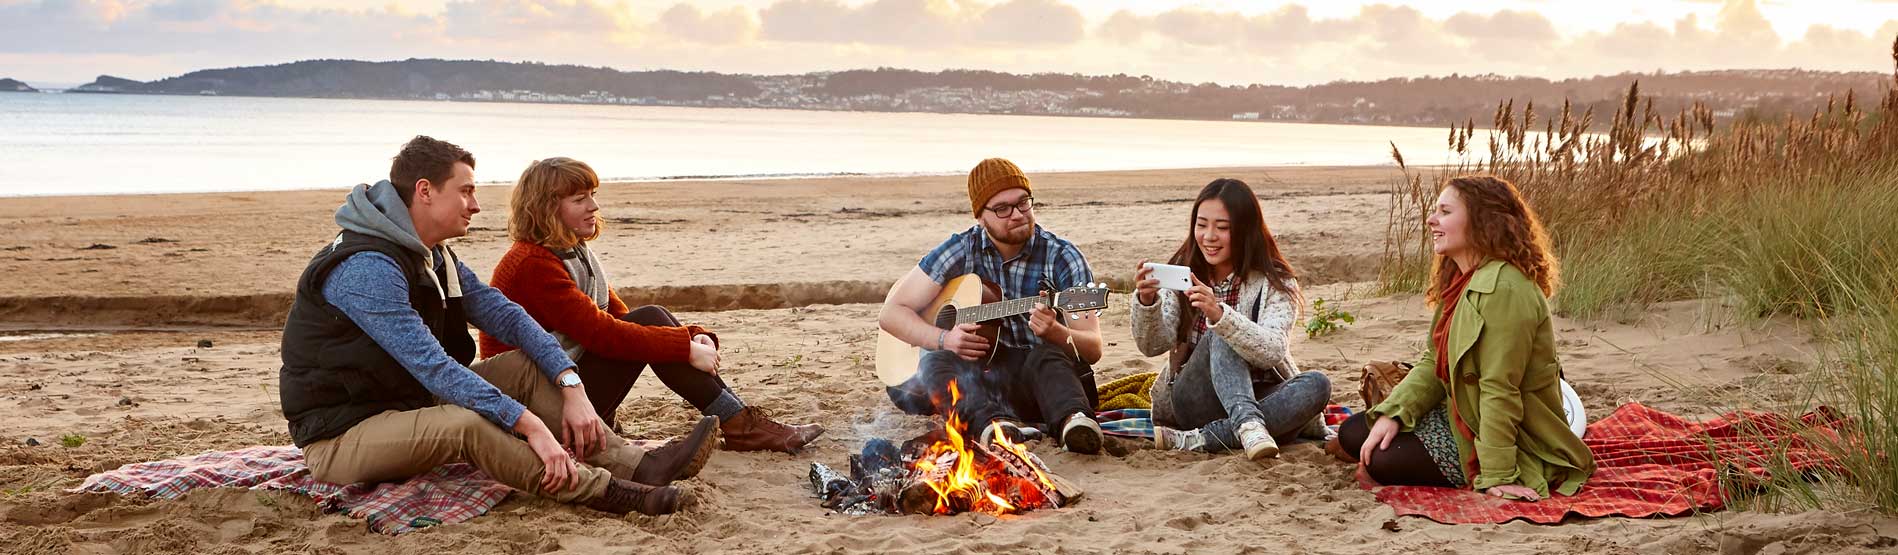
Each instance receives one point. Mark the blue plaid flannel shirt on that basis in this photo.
(1045, 255)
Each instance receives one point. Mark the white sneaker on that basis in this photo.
(1258, 443)
(1008, 429)
(1081, 435)
(1178, 440)
(1316, 429)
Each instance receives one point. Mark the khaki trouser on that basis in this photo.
(398, 444)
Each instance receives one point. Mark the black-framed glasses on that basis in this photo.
(1025, 205)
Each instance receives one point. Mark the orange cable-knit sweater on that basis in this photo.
(533, 277)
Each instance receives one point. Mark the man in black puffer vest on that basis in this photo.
(379, 380)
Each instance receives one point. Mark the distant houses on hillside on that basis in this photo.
(1429, 100)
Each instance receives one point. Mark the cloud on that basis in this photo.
(1403, 34)
(1506, 24)
(1199, 27)
(732, 26)
(1392, 40)
(1191, 43)
(924, 23)
(1508, 35)
(882, 22)
(507, 20)
(1030, 22)
(1123, 27)
(1290, 25)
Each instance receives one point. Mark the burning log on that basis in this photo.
(941, 472)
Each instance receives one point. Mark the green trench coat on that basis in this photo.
(1505, 375)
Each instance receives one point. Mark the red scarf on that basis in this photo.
(1440, 336)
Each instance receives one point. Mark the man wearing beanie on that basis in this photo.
(1037, 369)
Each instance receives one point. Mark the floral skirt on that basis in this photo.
(1440, 440)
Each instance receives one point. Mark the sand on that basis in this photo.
(104, 343)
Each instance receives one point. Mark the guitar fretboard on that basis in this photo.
(996, 311)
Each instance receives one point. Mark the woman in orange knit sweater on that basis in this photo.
(552, 274)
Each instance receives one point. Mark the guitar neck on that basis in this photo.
(996, 311)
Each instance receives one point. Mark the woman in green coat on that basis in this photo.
(1483, 408)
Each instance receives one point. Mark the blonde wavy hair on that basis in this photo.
(534, 205)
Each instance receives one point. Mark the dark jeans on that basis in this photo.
(1216, 391)
(609, 380)
(1041, 386)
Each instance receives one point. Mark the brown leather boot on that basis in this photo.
(753, 430)
(680, 458)
(624, 496)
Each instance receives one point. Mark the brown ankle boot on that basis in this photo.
(753, 430)
(623, 496)
(680, 458)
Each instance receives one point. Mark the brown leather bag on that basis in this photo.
(1379, 379)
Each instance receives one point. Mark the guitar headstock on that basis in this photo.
(1082, 298)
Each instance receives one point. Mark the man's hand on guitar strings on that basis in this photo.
(1045, 323)
(965, 342)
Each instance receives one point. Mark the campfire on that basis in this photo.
(942, 472)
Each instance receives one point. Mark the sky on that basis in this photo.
(1222, 41)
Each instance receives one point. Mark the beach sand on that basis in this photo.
(103, 342)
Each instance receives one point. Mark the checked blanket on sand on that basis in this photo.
(1648, 463)
(448, 494)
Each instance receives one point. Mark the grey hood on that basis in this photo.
(377, 210)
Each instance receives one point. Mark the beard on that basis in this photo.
(1007, 234)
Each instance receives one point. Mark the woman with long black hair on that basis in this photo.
(1231, 382)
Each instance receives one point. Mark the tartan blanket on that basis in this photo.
(1648, 463)
(448, 494)
(1126, 422)
(1138, 423)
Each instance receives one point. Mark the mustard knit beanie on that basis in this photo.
(992, 176)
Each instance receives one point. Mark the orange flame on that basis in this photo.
(964, 482)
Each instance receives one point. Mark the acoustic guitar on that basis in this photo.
(967, 300)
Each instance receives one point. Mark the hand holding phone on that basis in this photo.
(1177, 278)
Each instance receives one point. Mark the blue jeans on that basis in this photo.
(1216, 391)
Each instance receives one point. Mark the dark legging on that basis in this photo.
(609, 380)
(1405, 463)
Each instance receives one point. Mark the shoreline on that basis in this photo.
(778, 108)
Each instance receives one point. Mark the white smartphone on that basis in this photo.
(1177, 278)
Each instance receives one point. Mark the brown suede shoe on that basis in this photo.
(623, 496)
(680, 458)
(753, 430)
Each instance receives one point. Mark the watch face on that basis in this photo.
(569, 380)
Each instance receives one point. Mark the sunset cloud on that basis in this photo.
(731, 26)
(1265, 42)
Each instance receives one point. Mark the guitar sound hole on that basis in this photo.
(946, 318)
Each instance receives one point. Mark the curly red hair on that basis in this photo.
(1502, 227)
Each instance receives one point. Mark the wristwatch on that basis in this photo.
(570, 379)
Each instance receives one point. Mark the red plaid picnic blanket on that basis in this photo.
(448, 494)
(1648, 463)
